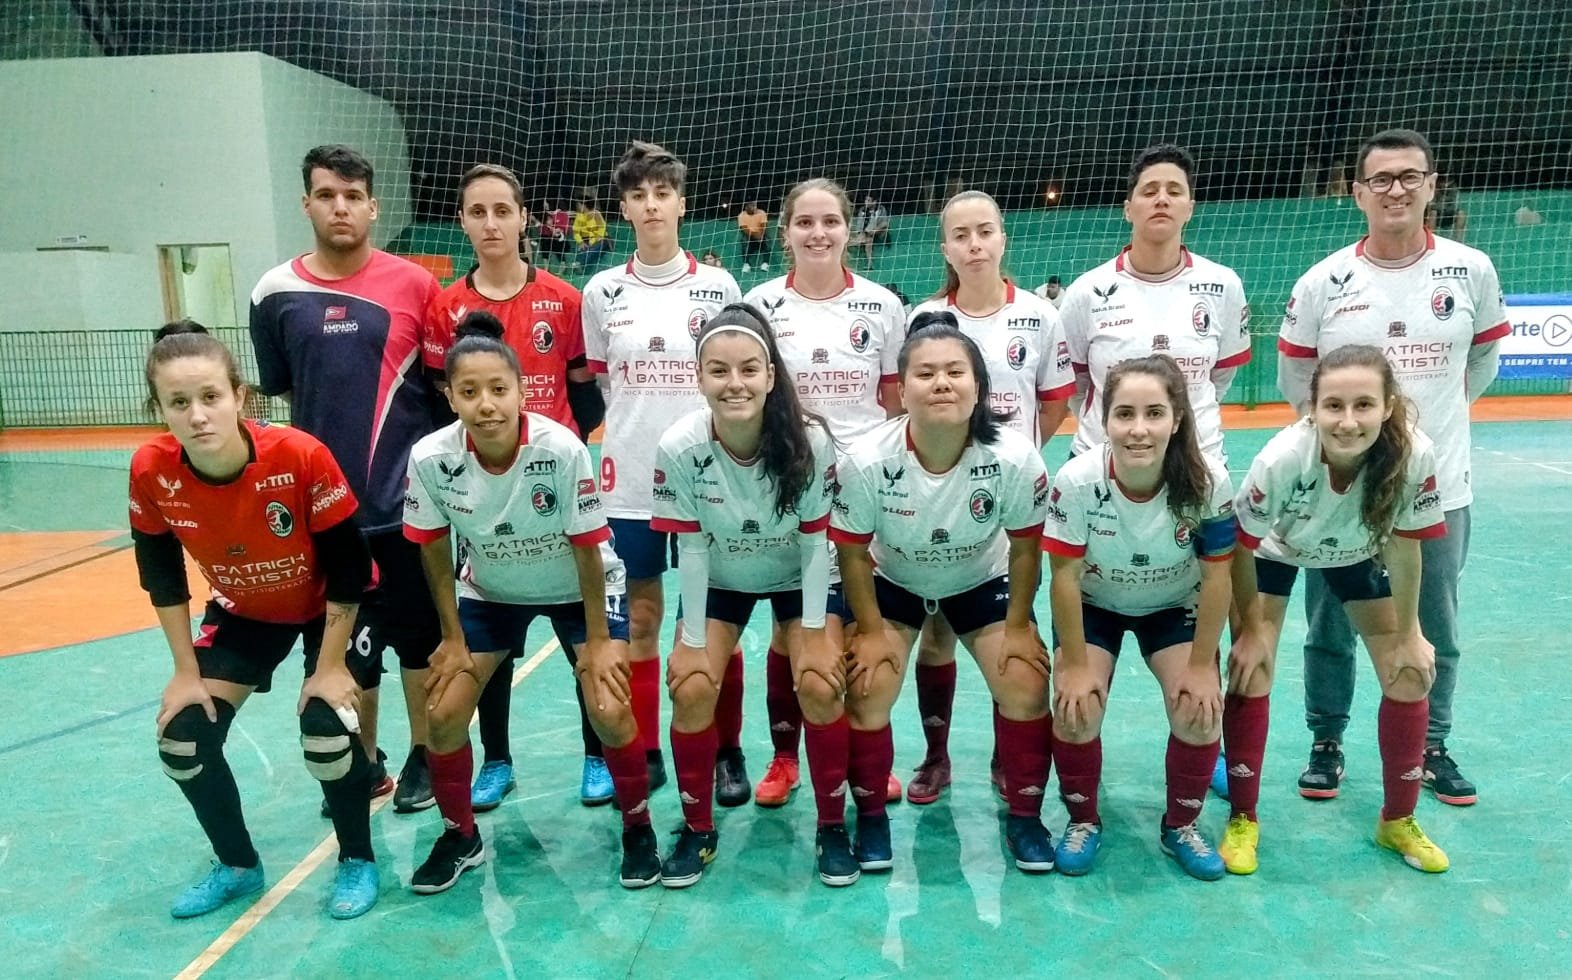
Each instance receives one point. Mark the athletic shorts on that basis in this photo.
(398, 613)
(645, 553)
(247, 651)
(493, 626)
(1349, 583)
(1153, 631)
(736, 608)
(980, 606)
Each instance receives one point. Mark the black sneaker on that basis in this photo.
(655, 763)
(414, 783)
(381, 784)
(452, 855)
(695, 849)
(873, 850)
(837, 866)
(1441, 775)
(640, 859)
(1325, 770)
(1030, 843)
(731, 778)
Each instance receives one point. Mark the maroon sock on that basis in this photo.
(631, 779)
(451, 774)
(1189, 777)
(829, 755)
(781, 700)
(1245, 721)
(935, 702)
(870, 755)
(1080, 772)
(728, 708)
(1025, 754)
(693, 754)
(644, 685)
(1401, 733)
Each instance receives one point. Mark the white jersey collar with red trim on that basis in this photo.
(469, 443)
(1009, 297)
(1189, 263)
(693, 266)
(1430, 246)
(791, 283)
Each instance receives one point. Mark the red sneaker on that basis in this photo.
(928, 782)
(783, 776)
(892, 792)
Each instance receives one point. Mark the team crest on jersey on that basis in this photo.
(981, 505)
(279, 520)
(450, 473)
(1397, 328)
(821, 355)
(503, 530)
(939, 536)
(1201, 320)
(1442, 304)
(1015, 352)
(750, 527)
(543, 499)
(657, 345)
(235, 550)
(860, 336)
(1160, 342)
(696, 321)
(1140, 559)
(541, 337)
(1184, 533)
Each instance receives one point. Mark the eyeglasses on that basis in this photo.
(1411, 180)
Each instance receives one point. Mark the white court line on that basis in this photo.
(249, 920)
(1531, 462)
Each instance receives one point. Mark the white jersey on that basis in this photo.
(1057, 301)
(1198, 317)
(939, 534)
(1023, 345)
(699, 487)
(1137, 557)
(1425, 317)
(839, 350)
(1289, 512)
(641, 336)
(516, 530)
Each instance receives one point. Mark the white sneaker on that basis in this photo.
(746, 267)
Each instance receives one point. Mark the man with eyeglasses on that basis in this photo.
(1435, 307)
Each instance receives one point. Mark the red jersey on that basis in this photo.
(252, 535)
(540, 322)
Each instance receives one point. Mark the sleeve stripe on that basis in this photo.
(1222, 557)
(1234, 360)
(1025, 532)
(596, 367)
(670, 525)
(888, 379)
(1059, 394)
(1063, 548)
(814, 526)
(1079, 368)
(599, 534)
(424, 535)
(1423, 533)
(1247, 539)
(1493, 334)
(1294, 350)
(840, 536)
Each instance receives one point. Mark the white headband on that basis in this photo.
(728, 328)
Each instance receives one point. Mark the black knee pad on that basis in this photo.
(190, 741)
(330, 748)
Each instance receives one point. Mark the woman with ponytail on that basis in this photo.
(1349, 490)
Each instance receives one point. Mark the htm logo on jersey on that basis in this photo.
(981, 505)
(171, 487)
(1207, 288)
(503, 530)
(705, 295)
(1442, 304)
(543, 499)
(1023, 323)
(279, 520)
(1140, 559)
(891, 479)
(860, 336)
(750, 527)
(540, 337)
(983, 471)
(1201, 320)
(771, 307)
(450, 473)
(1397, 328)
(865, 306)
(1104, 294)
(939, 536)
(1015, 353)
(1160, 342)
(545, 306)
(279, 480)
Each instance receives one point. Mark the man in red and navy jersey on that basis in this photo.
(338, 331)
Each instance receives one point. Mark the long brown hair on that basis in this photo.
(789, 208)
(188, 338)
(1185, 474)
(1385, 463)
(952, 280)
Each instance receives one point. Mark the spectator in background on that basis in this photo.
(712, 258)
(589, 233)
(1337, 183)
(870, 226)
(1443, 216)
(554, 230)
(906, 302)
(1527, 217)
(751, 225)
(1051, 291)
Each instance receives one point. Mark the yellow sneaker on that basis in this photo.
(1404, 836)
(1237, 847)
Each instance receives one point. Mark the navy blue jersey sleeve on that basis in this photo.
(267, 337)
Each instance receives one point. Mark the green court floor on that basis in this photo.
(95, 841)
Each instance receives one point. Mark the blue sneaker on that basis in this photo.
(873, 851)
(355, 888)
(1031, 844)
(1193, 852)
(1220, 778)
(221, 886)
(596, 789)
(492, 783)
(1078, 848)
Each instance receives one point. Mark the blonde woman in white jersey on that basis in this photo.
(1029, 374)
(839, 336)
(640, 321)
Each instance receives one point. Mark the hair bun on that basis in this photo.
(178, 327)
(478, 324)
(932, 318)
